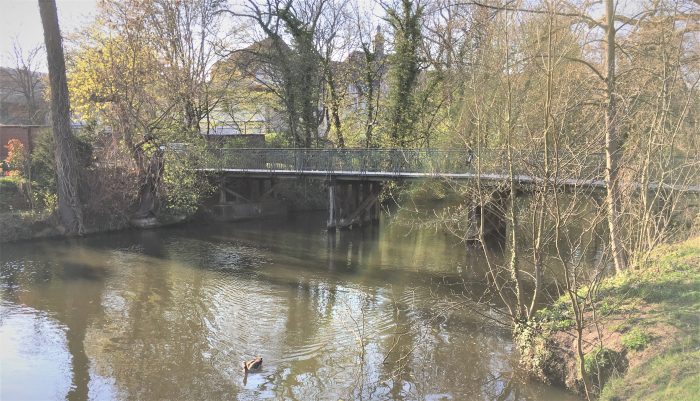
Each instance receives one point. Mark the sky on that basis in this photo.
(20, 22)
(19, 19)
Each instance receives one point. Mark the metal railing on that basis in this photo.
(398, 162)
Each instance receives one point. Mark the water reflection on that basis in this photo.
(170, 314)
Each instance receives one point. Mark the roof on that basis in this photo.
(228, 131)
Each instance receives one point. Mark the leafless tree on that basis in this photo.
(25, 81)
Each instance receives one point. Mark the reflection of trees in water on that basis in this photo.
(67, 283)
(154, 342)
(413, 337)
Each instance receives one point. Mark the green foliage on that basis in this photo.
(557, 317)
(183, 187)
(531, 340)
(43, 166)
(9, 183)
(277, 140)
(43, 162)
(10, 193)
(406, 23)
(235, 143)
(605, 307)
(636, 339)
(602, 363)
(598, 358)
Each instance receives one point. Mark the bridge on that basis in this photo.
(355, 175)
(386, 164)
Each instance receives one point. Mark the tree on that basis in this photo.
(334, 38)
(405, 20)
(24, 80)
(143, 73)
(293, 57)
(374, 60)
(67, 170)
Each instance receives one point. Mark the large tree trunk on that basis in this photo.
(69, 207)
(612, 147)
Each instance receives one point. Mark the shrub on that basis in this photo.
(184, 188)
(557, 317)
(16, 160)
(601, 364)
(636, 339)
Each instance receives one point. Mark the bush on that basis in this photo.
(43, 167)
(11, 197)
(636, 339)
(44, 171)
(184, 188)
(600, 358)
(16, 161)
(601, 364)
(557, 317)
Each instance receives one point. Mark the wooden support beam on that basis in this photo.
(375, 211)
(222, 190)
(364, 206)
(366, 190)
(236, 195)
(270, 192)
(332, 212)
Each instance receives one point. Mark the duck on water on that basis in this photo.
(252, 365)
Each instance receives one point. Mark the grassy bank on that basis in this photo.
(659, 322)
(644, 341)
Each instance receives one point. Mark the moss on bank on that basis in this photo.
(648, 318)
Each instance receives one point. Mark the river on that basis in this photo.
(371, 314)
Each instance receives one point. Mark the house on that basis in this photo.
(247, 103)
(249, 99)
(223, 136)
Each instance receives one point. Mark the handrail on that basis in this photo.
(529, 166)
(364, 161)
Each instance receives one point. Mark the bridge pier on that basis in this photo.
(352, 203)
(493, 213)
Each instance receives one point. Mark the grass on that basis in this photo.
(655, 311)
(670, 287)
(672, 376)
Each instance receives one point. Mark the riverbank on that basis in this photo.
(29, 225)
(644, 343)
(19, 223)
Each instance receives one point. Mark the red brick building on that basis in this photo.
(25, 133)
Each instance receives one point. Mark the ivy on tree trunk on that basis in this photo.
(69, 207)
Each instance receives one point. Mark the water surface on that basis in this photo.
(368, 314)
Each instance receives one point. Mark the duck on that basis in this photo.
(253, 364)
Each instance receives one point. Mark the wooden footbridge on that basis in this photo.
(355, 176)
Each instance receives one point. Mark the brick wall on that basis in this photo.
(25, 133)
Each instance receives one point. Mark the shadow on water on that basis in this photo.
(170, 314)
